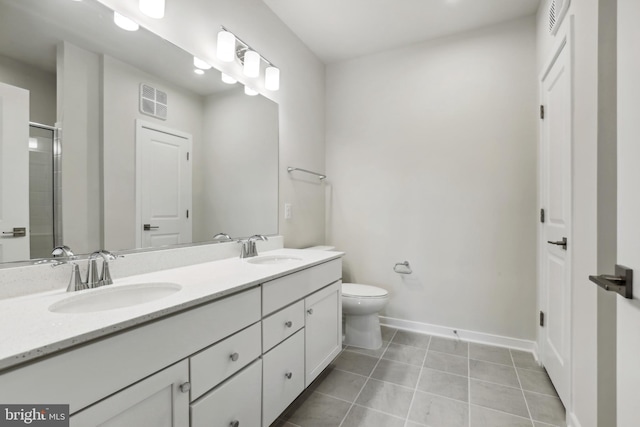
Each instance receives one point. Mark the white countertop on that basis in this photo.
(28, 330)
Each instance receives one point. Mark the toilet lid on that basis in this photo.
(363, 291)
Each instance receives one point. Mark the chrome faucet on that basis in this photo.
(94, 280)
(222, 237)
(249, 246)
(63, 251)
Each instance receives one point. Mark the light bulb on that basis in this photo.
(251, 64)
(124, 22)
(272, 78)
(228, 79)
(152, 8)
(226, 46)
(203, 65)
(249, 91)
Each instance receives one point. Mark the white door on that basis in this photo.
(555, 197)
(163, 190)
(14, 173)
(628, 322)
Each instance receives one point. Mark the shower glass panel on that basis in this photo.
(44, 190)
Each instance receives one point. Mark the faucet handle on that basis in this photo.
(258, 237)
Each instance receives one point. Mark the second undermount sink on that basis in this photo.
(109, 298)
(272, 259)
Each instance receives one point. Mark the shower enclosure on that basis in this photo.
(45, 204)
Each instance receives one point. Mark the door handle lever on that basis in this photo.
(17, 232)
(562, 243)
(147, 227)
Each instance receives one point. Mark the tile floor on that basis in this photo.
(418, 380)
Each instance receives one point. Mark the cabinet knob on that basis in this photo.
(288, 323)
(185, 387)
(310, 311)
(288, 375)
(234, 423)
(234, 357)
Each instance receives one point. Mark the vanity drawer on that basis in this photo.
(283, 376)
(285, 290)
(281, 325)
(218, 362)
(238, 399)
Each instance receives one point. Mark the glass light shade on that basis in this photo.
(203, 65)
(228, 79)
(249, 91)
(152, 8)
(198, 71)
(226, 46)
(124, 22)
(251, 64)
(272, 78)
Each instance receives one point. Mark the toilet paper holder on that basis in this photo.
(402, 268)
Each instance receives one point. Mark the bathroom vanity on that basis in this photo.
(234, 347)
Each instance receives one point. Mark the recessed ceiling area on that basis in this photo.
(336, 30)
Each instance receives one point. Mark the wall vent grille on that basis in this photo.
(557, 11)
(153, 102)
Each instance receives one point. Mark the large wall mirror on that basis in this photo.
(127, 146)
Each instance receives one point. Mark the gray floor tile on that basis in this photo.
(536, 381)
(483, 417)
(547, 409)
(450, 346)
(499, 397)
(319, 410)
(412, 338)
(489, 353)
(341, 384)
(405, 354)
(432, 410)
(539, 424)
(493, 372)
(397, 373)
(373, 353)
(355, 362)
(524, 359)
(387, 332)
(443, 384)
(359, 416)
(282, 423)
(386, 397)
(447, 362)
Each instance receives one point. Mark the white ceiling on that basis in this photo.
(336, 30)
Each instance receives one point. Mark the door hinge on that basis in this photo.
(187, 213)
(187, 156)
(541, 318)
(542, 112)
(542, 216)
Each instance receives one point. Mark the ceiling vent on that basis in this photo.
(153, 102)
(557, 10)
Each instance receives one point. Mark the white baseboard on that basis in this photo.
(472, 336)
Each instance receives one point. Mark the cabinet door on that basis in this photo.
(283, 376)
(157, 401)
(323, 329)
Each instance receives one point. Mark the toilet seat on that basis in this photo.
(355, 290)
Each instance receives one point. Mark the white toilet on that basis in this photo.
(360, 307)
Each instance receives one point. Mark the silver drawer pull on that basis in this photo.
(288, 375)
(234, 357)
(185, 387)
(310, 311)
(288, 323)
(234, 423)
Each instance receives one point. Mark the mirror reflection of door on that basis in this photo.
(14, 175)
(163, 185)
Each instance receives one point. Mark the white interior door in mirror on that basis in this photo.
(163, 190)
(14, 172)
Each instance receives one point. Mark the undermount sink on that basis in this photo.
(272, 259)
(109, 298)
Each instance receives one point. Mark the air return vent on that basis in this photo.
(153, 102)
(557, 10)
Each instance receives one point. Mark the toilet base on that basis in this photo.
(363, 331)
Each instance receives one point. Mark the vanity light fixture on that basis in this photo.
(231, 47)
(199, 71)
(152, 8)
(226, 78)
(203, 65)
(124, 22)
(249, 91)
